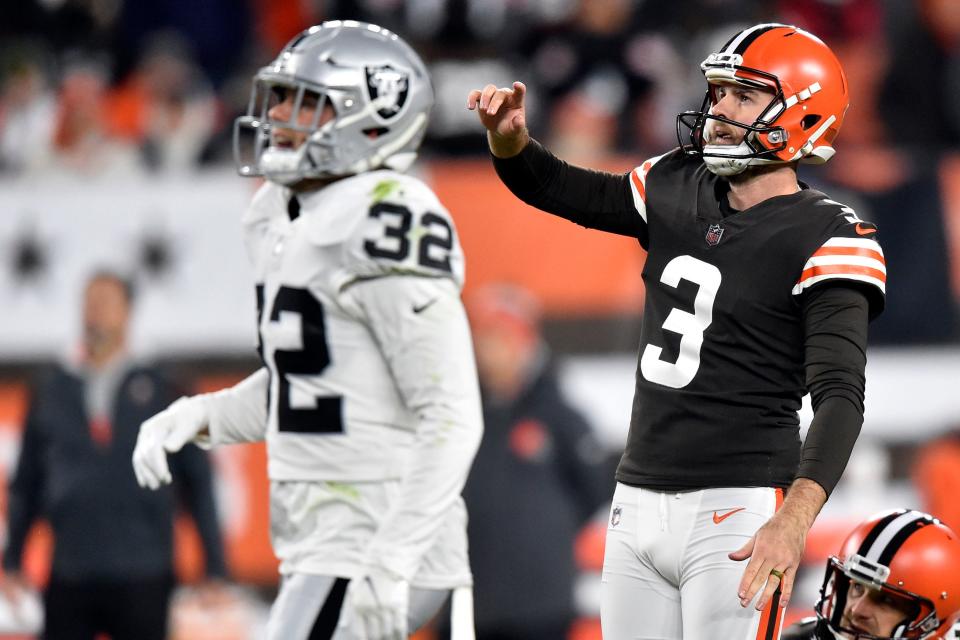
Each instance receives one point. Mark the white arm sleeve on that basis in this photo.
(237, 413)
(422, 331)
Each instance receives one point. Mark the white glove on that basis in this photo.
(165, 432)
(375, 607)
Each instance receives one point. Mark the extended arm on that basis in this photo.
(238, 413)
(593, 199)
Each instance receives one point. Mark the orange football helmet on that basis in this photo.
(810, 97)
(910, 556)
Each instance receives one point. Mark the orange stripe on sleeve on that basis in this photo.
(843, 269)
(850, 251)
(638, 183)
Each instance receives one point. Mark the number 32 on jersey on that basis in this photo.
(300, 309)
(690, 326)
(435, 244)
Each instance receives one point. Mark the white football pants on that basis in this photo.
(666, 574)
(308, 608)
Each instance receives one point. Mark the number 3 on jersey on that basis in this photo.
(690, 326)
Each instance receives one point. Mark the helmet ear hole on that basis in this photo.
(809, 120)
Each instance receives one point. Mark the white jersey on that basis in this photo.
(369, 393)
(335, 412)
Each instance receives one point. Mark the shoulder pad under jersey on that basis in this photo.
(401, 228)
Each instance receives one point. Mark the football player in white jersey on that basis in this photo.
(368, 398)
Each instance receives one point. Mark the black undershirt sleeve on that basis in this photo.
(835, 321)
(593, 199)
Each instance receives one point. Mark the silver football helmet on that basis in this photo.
(375, 82)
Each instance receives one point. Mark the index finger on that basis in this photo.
(520, 90)
(748, 583)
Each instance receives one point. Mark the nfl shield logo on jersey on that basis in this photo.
(714, 233)
(388, 89)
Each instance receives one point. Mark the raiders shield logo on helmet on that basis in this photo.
(388, 89)
(714, 233)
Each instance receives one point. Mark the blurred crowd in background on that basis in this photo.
(162, 79)
(119, 88)
(108, 87)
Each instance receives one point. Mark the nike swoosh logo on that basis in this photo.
(864, 231)
(422, 307)
(717, 519)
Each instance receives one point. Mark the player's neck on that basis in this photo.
(313, 184)
(757, 184)
(100, 358)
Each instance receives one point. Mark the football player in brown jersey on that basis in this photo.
(758, 290)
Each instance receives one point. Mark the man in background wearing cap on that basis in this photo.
(537, 477)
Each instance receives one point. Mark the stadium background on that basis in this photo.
(115, 126)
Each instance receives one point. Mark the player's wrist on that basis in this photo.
(507, 146)
(379, 570)
(195, 412)
(803, 502)
(209, 411)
